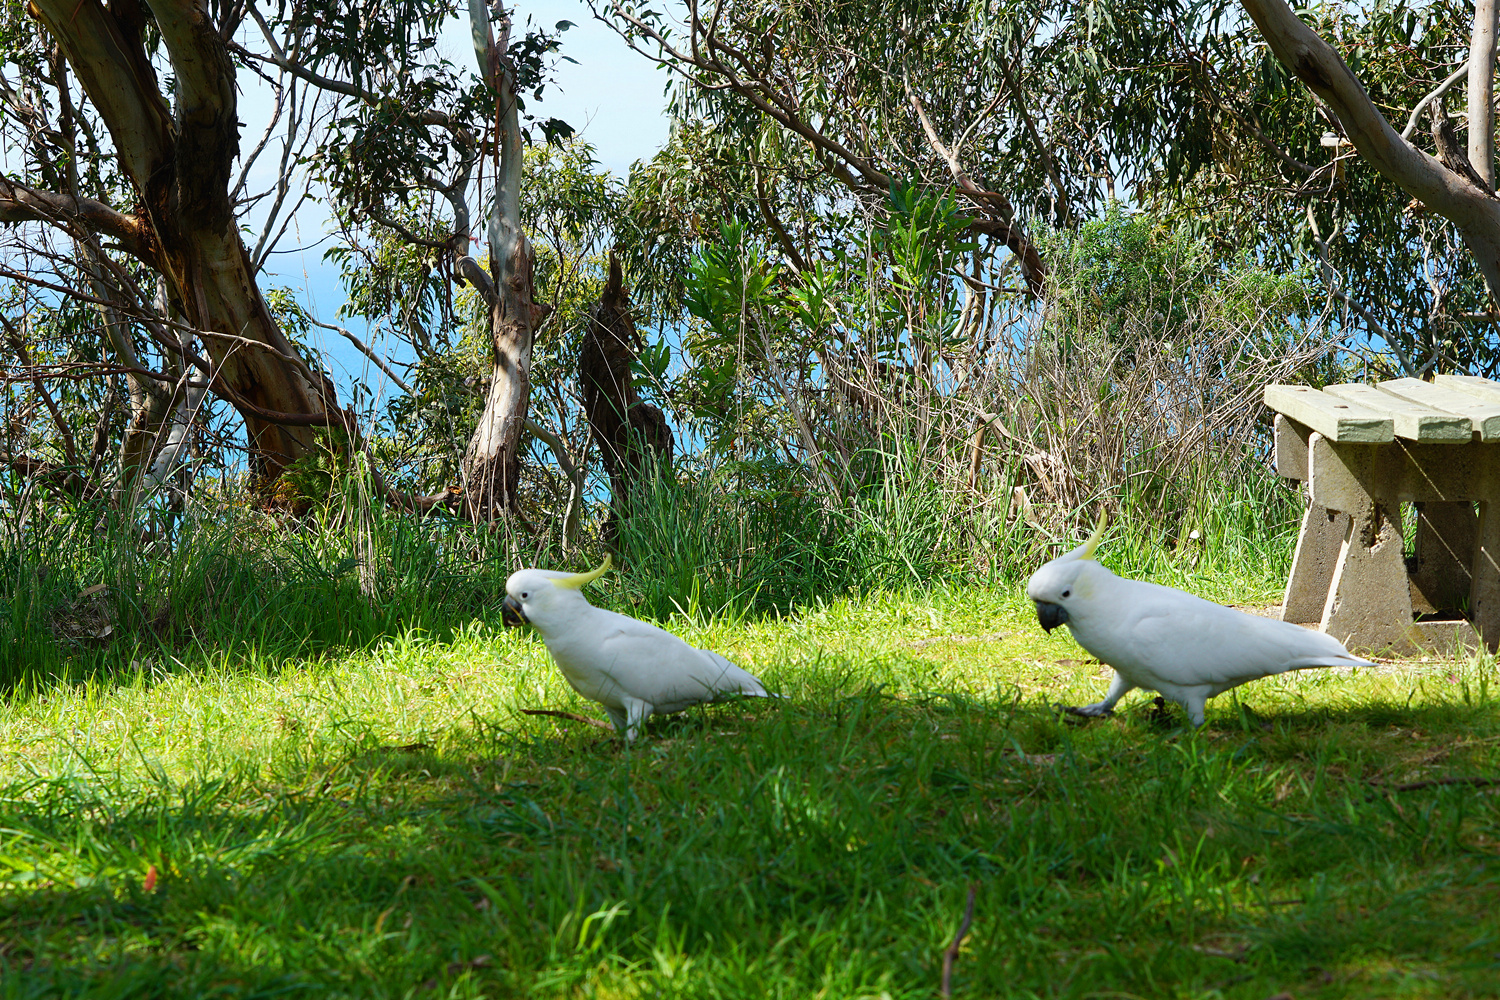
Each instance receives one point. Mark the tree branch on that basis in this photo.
(278, 58)
(110, 62)
(18, 344)
(468, 268)
(207, 119)
(1063, 214)
(1473, 211)
(998, 209)
(1437, 92)
(763, 202)
(76, 216)
(874, 179)
(367, 352)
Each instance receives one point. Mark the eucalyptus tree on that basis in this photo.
(412, 141)
(1036, 111)
(1456, 183)
(128, 116)
(1393, 222)
(119, 188)
(796, 118)
(830, 275)
(570, 209)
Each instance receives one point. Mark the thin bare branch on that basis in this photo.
(367, 352)
(1436, 93)
(950, 956)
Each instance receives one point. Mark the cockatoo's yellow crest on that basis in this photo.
(580, 580)
(1093, 542)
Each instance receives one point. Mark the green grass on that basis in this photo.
(381, 820)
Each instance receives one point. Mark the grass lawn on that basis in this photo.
(386, 823)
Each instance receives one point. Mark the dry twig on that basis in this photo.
(570, 716)
(951, 955)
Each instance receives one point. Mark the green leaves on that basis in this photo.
(731, 288)
(1253, 164)
(1122, 270)
(925, 236)
(652, 362)
(421, 116)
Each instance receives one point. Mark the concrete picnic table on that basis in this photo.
(1364, 450)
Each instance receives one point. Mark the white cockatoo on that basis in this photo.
(1180, 646)
(633, 669)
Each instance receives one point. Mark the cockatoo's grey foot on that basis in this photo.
(1119, 687)
(636, 714)
(1194, 706)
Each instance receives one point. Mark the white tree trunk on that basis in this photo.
(1482, 91)
(491, 466)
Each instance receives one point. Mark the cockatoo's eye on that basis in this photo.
(524, 595)
(1066, 593)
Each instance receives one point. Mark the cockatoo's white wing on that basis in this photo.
(656, 666)
(1182, 640)
(627, 657)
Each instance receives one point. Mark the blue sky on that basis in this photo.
(612, 96)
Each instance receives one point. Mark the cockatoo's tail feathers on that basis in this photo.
(577, 581)
(1326, 660)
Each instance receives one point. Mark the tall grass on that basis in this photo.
(87, 591)
(759, 538)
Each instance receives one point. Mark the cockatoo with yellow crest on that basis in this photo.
(633, 669)
(1184, 648)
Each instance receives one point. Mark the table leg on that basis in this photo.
(1445, 551)
(1369, 600)
(1318, 547)
(1484, 591)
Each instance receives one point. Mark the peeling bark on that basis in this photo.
(633, 435)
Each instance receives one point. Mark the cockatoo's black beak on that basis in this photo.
(511, 614)
(1050, 615)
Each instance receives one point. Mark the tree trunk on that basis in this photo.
(183, 223)
(1482, 91)
(492, 461)
(633, 435)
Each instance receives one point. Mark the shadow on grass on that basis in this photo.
(778, 850)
